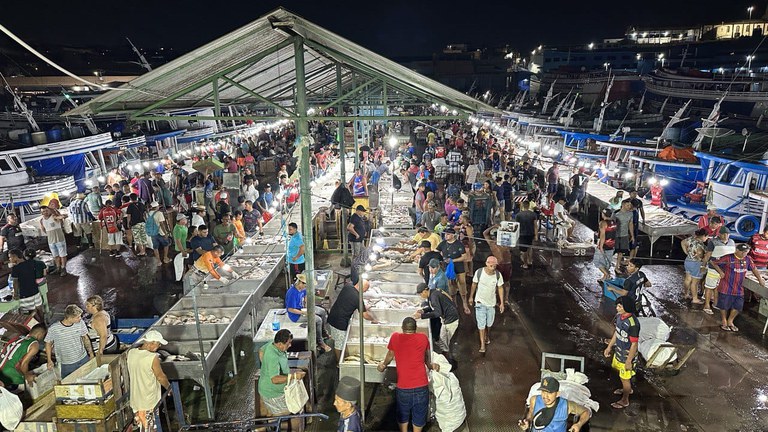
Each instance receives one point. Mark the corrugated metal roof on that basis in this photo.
(273, 75)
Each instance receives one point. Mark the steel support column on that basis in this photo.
(345, 262)
(303, 140)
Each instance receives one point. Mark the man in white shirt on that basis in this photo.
(487, 283)
(473, 171)
(562, 218)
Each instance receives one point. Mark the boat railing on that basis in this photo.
(714, 94)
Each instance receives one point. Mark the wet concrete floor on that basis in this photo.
(556, 307)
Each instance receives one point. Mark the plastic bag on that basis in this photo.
(295, 395)
(450, 411)
(11, 409)
(450, 270)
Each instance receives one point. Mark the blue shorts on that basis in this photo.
(159, 242)
(484, 315)
(58, 249)
(551, 188)
(413, 405)
(726, 302)
(693, 269)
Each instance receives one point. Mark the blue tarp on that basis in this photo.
(578, 139)
(681, 180)
(60, 166)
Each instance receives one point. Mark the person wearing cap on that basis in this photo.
(52, 224)
(265, 200)
(711, 212)
(715, 223)
(732, 269)
(358, 230)
(210, 263)
(146, 377)
(296, 307)
(486, 283)
(69, 338)
(412, 356)
(548, 412)
(452, 249)
(759, 252)
(715, 248)
(625, 341)
(275, 374)
(347, 394)
(159, 233)
(425, 255)
(180, 234)
(439, 306)
(82, 219)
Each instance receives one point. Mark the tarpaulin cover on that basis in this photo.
(673, 153)
(73, 165)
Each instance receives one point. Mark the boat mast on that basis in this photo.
(605, 104)
(561, 104)
(549, 97)
(711, 121)
(21, 106)
(142, 60)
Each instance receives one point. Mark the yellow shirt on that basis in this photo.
(207, 264)
(433, 239)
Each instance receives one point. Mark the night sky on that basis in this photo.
(393, 28)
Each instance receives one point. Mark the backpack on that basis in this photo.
(498, 275)
(151, 226)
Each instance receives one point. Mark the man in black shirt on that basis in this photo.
(634, 282)
(428, 255)
(523, 175)
(452, 249)
(529, 232)
(346, 304)
(358, 230)
(441, 306)
(135, 212)
(25, 273)
(11, 235)
(637, 206)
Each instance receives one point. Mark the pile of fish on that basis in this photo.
(403, 245)
(392, 234)
(378, 340)
(396, 256)
(665, 221)
(393, 303)
(256, 273)
(749, 275)
(383, 263)
(165, 356)
(189, 318)
(368, 360)
(267, 241)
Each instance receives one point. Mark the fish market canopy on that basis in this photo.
(256, 64)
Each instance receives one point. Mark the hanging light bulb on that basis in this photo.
(652, 181)
(664, 182)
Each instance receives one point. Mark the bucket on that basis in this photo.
(712, 280)
(76, 132)
(53, 135)
(39, 138)
(25, 139)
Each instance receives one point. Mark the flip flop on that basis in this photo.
(621, 392)
(481, 351)
(618, 405)
(734, 328)
(708, 311)
(697, 302)
(525, 266)
(487, 341)
(725, 328)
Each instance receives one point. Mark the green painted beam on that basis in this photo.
(260, 97)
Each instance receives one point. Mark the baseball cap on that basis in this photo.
(421, 287)
(711, 207)
(360, 208)
(550, 385)
(423, 229)
(743, 247)
(724, 230)
(153, 336)
(449, 231)
(434, 263)
(154, 204)
(181, 216)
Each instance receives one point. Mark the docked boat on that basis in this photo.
(746, 95)
(25, 191)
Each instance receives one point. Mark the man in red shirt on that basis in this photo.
(110, 217)
(759, 252)
(413, 358)
(711, 212)
(732, 269)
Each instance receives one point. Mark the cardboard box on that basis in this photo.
(44, 382)
(39, 417)
(101, 425)
(87, 409)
